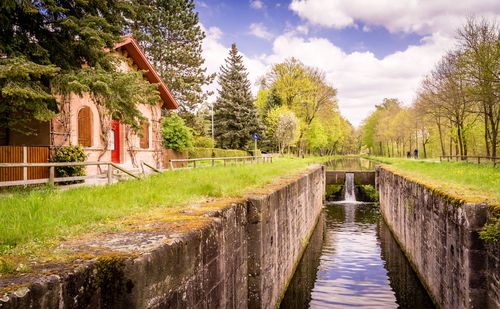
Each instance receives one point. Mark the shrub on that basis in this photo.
(176, 135)
(198, 152)
(491, 232)
(70, 154)
(203, 141)
(368, 193)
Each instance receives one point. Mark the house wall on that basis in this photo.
(131, 154)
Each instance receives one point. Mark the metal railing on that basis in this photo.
(473, 158)
(225, 159)
(52, 179)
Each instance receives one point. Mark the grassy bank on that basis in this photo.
(467, 181)
(42, 217)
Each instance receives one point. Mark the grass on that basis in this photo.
(39, 218)
(470, 182)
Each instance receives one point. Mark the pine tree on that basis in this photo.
(235, 115)
(50, 48)
(170, 34)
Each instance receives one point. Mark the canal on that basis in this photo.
(352, 260)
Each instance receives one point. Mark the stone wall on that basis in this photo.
(440, 237)
(360, 177)
(242, 256)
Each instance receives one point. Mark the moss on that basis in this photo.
(368, 193)
(109, 278)
(333, 192)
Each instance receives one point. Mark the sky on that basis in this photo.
(369, 49)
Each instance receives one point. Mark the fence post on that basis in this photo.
(110, 174)
(51, 175)
(25, 160)
(194, 164)
(478, 160)
(171, 165)
(224, 161)
(213, 162)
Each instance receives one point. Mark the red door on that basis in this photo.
(115, 141)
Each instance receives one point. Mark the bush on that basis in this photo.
(491, 232)
(176, 135)
(203, 142)
(70, 154)
(198, 152)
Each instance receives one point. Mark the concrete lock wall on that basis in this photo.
(244, 257)
(440, 237)
(360, 177)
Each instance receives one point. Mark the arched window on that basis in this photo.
(144, 142)
(85, 127)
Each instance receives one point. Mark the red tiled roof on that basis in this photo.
(135, 52)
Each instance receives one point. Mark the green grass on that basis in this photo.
(44, 216)
(467, 181)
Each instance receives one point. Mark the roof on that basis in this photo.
(135, 52)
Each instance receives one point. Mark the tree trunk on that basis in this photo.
(438, 123)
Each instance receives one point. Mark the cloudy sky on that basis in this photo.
(369, 49)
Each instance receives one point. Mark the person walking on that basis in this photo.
(415, 154)
(408, 154)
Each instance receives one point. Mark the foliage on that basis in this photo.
(368, 193)
(176, 135)
(171, 36)
(74, 55)
(202, 141)
(198, 152)
(491, 231)
(304, 91)
(70, 154)
(235, 115)
(457, 108)
(333, 192)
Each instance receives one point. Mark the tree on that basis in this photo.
(235, 115)
(176, 135)
(286, 130)
(52, 48)
(170, 34)
(480, 44)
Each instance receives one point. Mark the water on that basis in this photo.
(352, 260)
(350, 195)
(350, 164)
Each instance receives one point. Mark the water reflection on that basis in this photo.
(350, 164)
(359, 264)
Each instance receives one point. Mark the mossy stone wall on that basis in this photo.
(440, 236)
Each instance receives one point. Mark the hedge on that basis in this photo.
(198, 152)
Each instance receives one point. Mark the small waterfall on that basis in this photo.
(350, 196)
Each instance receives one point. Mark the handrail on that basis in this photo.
(52, 179)
(224, 159)
(154, 169)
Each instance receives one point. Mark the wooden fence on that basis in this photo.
(478, 159)
(256, 159)
(23, 154)
(51, 174)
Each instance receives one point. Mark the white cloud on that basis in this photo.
(362, 80)
(410, 16)
(260, 31)
(303, 29)
(256, 4)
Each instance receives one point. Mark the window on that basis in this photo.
(144, 143)
(85, 127)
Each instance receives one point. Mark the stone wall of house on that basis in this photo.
(440, 237)
(243, 256)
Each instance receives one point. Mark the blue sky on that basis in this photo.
(369, 50)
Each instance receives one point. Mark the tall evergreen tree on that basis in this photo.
(171, 36)
(50, 48)
(235, 115)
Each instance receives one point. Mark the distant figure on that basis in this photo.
(415, 153)
(408, 154)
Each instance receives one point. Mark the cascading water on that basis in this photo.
(350, 195)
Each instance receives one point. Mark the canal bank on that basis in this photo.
(237, 254)
(440, 236)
